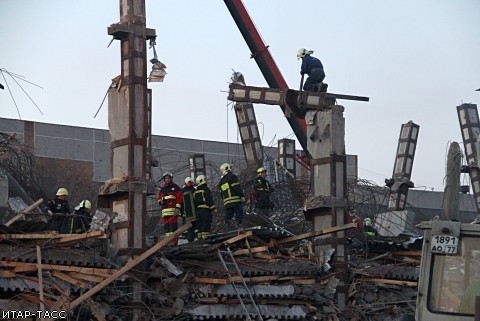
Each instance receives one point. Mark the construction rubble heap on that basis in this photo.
(229, 276)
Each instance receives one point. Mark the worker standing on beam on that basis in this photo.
(262, 193)
(205, 206)
(170, 199)
(232, 196)
(189, 211)
(313, 67)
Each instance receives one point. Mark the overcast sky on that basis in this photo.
(416, 60)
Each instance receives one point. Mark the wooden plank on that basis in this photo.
(87, 277)
(210, 280)
(26, 210)
(77, 237)
(80, 269)
(7, 274)
(69, 279)
(129, 266)
(34, 299)
(95, 310)
(251, 250)
(49, 235)
(304, 281)
(316, 233)
(265, 256)
(232, 240)
(257, 239)
(256, 279)
(388, 281)
(407, 253)
(40, 279)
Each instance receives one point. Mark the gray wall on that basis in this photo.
(172, 153)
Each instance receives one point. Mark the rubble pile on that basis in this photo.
(280, 284)
(384, 274)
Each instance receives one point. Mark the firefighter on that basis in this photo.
(368, 229)
(311, 66)
(205, 206)
(262, 192)
(188, 208)
(58, 208)
(170, 199)
(232, 196)
(80, 220)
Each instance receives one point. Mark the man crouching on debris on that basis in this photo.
(232, 196)
(59, 205)
(170, 199)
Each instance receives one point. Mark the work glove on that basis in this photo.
(242, 199)
(50, 213)
(215, 211)
(177, 211)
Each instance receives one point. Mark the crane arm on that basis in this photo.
(265, 62)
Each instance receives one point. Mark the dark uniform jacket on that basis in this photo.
(188, 204)
(76, 223)
(203, 197)
(230, 189)
(309, 63)
(263, 191)
(58, 206)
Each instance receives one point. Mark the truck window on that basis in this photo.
(455, 279)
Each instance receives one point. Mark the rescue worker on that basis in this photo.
(58, 206)
(188, 208)
(232, 196)
(170, 199)
(79, 221)
(262, 193)
(311, 66)
(205, 206)
(368, 229)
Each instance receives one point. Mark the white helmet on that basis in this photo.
(302, 52)
(167, 174)
(201, 179)
(367, 221)
(225, 168)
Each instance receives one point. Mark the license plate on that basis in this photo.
(444, 244)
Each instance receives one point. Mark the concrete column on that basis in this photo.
(326, 144)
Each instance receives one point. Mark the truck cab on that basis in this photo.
(449, 272)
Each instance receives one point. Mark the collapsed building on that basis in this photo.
(189, 281)
(309, 260)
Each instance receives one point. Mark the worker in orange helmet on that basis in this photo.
(170, 199)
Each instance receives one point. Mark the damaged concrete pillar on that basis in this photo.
(326, 144)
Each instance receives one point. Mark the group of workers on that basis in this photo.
(194, 202)
(63, 220)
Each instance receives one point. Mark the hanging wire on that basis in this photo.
(15, 76)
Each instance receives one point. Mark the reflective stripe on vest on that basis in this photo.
(168, 211)
(225, 187)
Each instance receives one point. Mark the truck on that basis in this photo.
(449, 281)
